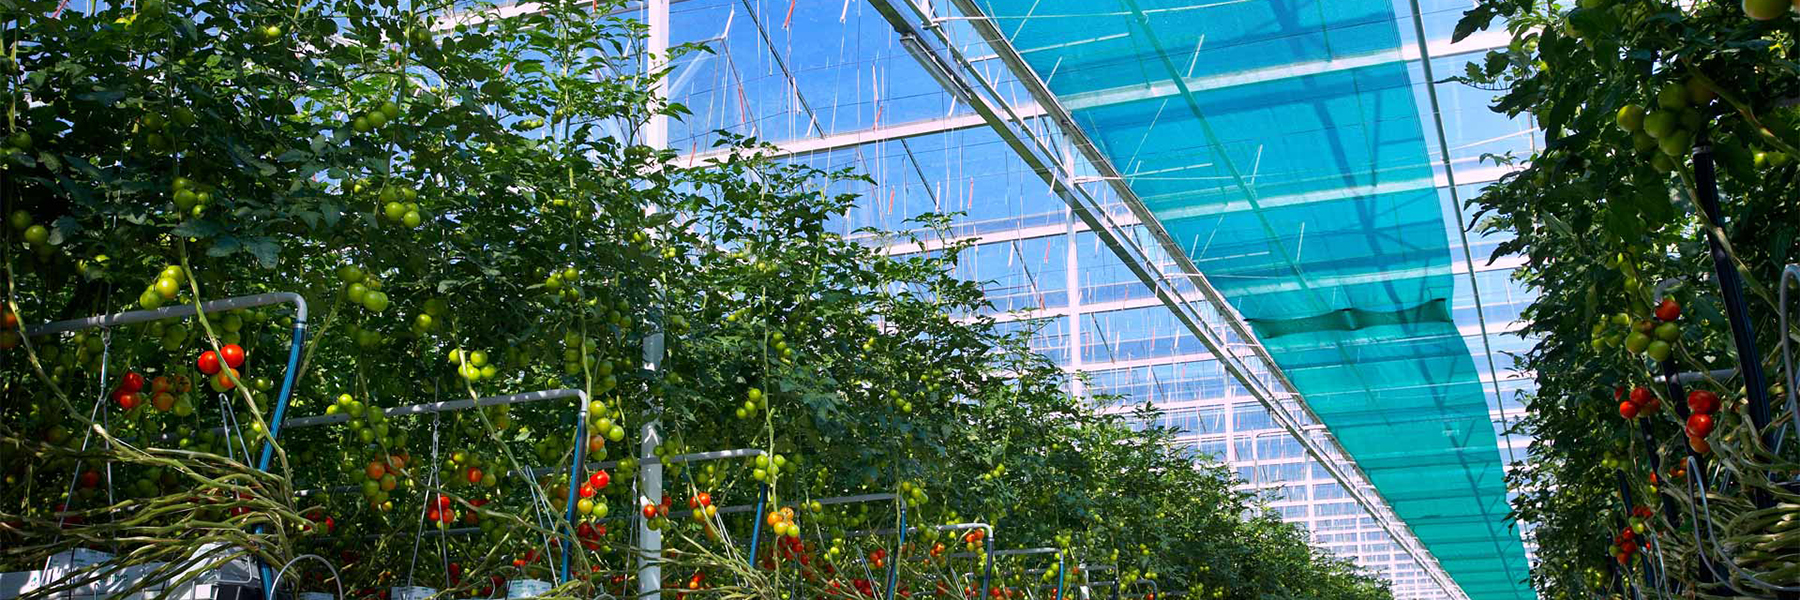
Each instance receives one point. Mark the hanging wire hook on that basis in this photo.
(335, 578)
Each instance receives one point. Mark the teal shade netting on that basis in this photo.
(1290, 161)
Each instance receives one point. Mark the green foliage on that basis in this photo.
(1624, 89)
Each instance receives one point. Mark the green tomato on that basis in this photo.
(394, 211)
(19, 219)
(376, 118)
(1672, 96)
(37, 235)
(375, 301)
(357, 292)
(1636, 342)
(411, 219)
(1668, 332)
(1658, 350)
(361, 125)
(390, 110)
(167, 288)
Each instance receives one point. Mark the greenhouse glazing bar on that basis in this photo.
(947, 63)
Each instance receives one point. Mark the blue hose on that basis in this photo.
(268, 449)
(574, 479)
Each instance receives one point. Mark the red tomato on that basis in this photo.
(1641, 395)
(1628, 410)
(649, 511)
(1699, 425)
(705, 499)
(474, 475)
(133, 382)
(1669, 310)
(1703, 401)
(233, 355)
(599, 480)
(208, 362)
(129, 400)
(587, 491)
(90, 479)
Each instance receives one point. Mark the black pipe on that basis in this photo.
(1731, 289)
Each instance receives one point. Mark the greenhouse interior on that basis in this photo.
(900, 300)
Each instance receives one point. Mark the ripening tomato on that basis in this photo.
(161, 384)
(208, 362)
(224, 381)
(163, 401)
(233, 355)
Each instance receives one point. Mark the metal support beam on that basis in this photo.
(839, 141)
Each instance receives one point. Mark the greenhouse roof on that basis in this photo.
(1280, 143)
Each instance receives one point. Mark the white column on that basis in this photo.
(656, 135)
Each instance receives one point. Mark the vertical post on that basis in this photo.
(581, 446)
(1731, 289)
(656, 135)
(987, 570)
(1072, 275)
(762, 502)
(1062, 572)
(281, 402)
(893, 574)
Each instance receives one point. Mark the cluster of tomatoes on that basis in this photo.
(320, 521)
(363, 288)
(381, 477)
(191, 197)
(1701, 406)
(587, 505)
(1640, 401)
(443, 513)
(657, 513)
(783, 523)
(695, 583)
(162, 395)
(222, 366)
(590, 533)
(972, 540)
(1625, 545)
(376, 118)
